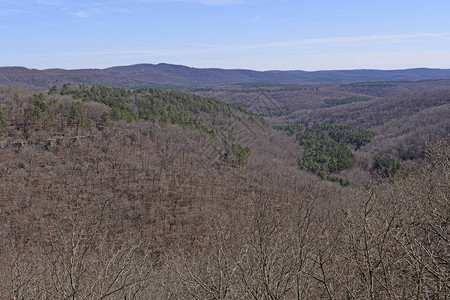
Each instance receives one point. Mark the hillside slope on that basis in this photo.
(403, 124)
(97, 207)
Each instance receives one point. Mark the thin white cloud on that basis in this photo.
(197, 49)
(257, 60)
(118, 53)
(123, 11)
(383, 60)
(336, 40)
(10, 12)
(10, 8)
(84, 9)
(219, 2)
(48, 2)
(10, 2)
(206, 2)
(81, 14)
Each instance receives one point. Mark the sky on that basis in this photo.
(245, 34)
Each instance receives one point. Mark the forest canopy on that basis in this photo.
(326, 146)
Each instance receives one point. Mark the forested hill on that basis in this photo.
(166, 75)
(108, 193)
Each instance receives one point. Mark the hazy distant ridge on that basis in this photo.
(142, 75)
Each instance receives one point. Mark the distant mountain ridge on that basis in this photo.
(167, 75)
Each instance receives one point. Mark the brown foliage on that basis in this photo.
(140, 211)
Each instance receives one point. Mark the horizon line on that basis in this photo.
(226, 69)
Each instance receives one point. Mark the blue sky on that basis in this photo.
(260, 35)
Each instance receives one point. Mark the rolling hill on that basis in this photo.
(171, 76)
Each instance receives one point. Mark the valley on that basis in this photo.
(273, 186)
